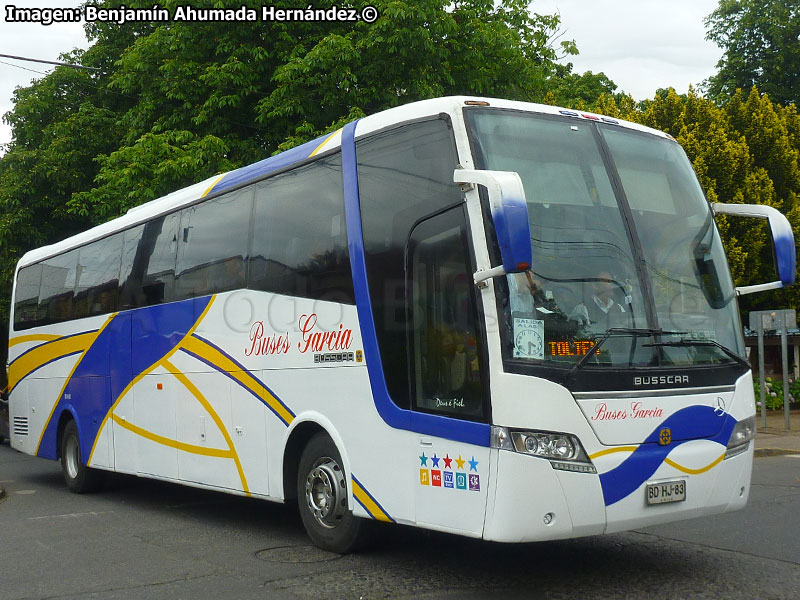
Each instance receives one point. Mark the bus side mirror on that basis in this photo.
(782, 237)
(510, 216)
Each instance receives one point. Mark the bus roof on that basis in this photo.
(219, 183)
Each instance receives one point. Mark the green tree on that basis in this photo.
(175, 102)
(759, 39)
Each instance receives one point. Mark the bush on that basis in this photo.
(773, 395)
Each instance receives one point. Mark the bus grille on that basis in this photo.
(20, 425)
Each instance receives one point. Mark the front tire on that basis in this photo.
(322, 498)
(79, 478)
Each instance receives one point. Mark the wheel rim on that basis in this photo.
(326, 493)
(72, 457)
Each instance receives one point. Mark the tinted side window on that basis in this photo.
(98, 277)
(404, 174)
(26, 299)
(299, 238)
(212, 245)
(58, 286)
(148, 262)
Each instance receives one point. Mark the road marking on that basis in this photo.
(71, 515)
(25, 492)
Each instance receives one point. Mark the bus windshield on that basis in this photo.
(622, 239)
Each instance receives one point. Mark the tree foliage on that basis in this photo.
(761, 44)
(174, 102)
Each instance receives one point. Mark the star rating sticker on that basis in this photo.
(460, 462)
(447, 460)
(473, 464)
(423, 460)
(435, 460)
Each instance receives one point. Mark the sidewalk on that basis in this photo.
(774, 438)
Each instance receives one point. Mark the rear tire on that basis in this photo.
(322, 498)
(79, 478)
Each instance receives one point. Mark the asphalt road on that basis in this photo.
(146, 539)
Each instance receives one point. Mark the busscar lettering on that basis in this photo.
(661, 380)
(43, 16)
(319, 341)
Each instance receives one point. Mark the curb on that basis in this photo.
(761, 452)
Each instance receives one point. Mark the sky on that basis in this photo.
(641, 45)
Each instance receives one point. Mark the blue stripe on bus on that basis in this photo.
(622, 481)
(138, 339)
(399, 418)
(269, 165)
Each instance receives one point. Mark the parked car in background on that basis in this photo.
(4, 433)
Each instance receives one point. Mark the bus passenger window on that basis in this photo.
(98, 273)
(58, 285)
(26, 301)
(148, 263)
(443, 330)
(212, 245)
(299, 243)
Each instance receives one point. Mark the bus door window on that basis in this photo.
(404, 175)
(443, 331)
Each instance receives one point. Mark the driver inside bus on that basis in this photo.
(527, 295)
(602, 311)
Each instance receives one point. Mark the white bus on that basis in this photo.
(490, 318)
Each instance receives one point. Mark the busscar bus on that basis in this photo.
(497, 319)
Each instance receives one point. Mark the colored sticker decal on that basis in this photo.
(215, 357)
(626, 478)
(37, 357)
(369, 503)
(394, 416)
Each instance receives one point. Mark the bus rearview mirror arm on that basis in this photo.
(510, 215)
(782, 236)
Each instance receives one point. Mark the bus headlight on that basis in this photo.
(743, 432)
(563, 450)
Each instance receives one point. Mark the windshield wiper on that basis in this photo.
(616, 331)
(685, 342)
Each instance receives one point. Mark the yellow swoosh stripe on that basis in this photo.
(223, 363)
(375, 511)
(94, 336)
(217, 420)
(48, 352)
(141, 375)
(35, 337)
(668, 461)
(213, 185)
(325, 141)
(689, 471)
(612, 451)
(165, 441)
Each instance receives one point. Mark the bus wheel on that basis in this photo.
(80, 478)
(322, 497)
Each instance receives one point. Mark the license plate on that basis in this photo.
(666, 491)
